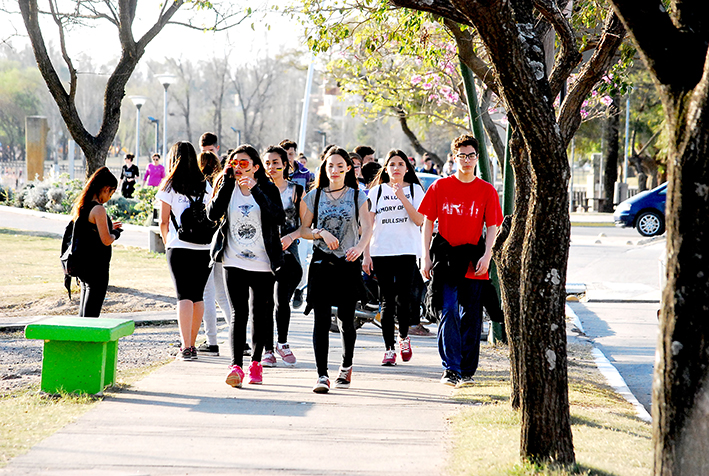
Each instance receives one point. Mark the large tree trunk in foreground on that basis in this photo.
(680, 407)
(611, 126)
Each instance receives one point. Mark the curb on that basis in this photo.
(592, 224)
(610, 373)
(62, 217)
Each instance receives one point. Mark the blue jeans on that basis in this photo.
(461, 323)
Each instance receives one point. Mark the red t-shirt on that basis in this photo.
(462, 209)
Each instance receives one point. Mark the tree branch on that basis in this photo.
(569, 56)
(466, 53)
(420, 149)
(65, 55)
(604, 56)
(442, 8)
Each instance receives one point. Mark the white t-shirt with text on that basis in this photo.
(394, 233)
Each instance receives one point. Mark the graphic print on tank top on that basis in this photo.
(246, 231)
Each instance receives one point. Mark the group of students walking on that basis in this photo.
(231, 229)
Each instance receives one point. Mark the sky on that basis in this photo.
(101, 41)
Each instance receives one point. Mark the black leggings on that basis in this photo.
(189, 270)
(93, 292)
(321, 334)
(287, 280)
(240, 286)
(395, 275)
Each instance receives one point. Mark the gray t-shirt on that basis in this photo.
(337, 217)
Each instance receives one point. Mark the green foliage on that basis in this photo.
(58, 196)
(398, 61)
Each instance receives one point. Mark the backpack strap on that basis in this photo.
(356, 203)
(379, 194)
(315, 208)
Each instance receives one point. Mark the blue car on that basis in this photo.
(645, 211)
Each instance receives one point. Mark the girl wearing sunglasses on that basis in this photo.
(248, 245)
(396, 194)
(333, 213)
(288, 277)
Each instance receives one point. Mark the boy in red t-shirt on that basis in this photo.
(462, 204)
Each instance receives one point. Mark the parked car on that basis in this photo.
(427, 179)
(645, 211)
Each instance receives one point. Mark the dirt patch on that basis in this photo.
(22, 358)
(118, 299)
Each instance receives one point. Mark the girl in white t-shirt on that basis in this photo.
(395, 246)
(188, 262)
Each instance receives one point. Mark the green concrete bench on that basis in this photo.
(80, 353)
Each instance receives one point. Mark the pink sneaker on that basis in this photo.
(268, 359)
(235, 377)
(286, 354)
(405, 347)
(389, 358)
(255, 373)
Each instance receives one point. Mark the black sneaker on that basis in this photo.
(465, 381)
(205, 348)
(193, 352)
(184, 354)
(247, 349)
(298, 298)
(450, 378)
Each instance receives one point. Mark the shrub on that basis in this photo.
(58, 197)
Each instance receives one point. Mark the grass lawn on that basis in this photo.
(31, 270)
(609, 439)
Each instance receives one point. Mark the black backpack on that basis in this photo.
(70, 255)
(196, 227)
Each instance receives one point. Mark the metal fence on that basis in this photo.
(13, 173)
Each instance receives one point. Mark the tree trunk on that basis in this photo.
(680, 410)
(680, 407)
(611, 126)
(96, 147)
(508, 257)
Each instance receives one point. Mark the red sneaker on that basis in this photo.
(235, 377)
(405, 347)
(268, 359)
(389, 358)
(255, 373)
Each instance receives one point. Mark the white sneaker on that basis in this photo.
(286, 354)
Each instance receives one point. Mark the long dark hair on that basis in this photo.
(184, 176)
(209, 165)
(97, 182)
(321, 178)
(383, 176)
(275, 149)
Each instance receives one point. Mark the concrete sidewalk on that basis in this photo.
(184, 419)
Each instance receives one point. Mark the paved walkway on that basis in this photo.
(183, 419)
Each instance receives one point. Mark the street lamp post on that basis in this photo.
(138, 101)
(238, 136)
(157, 132)
(324, 139)
(166, 79)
